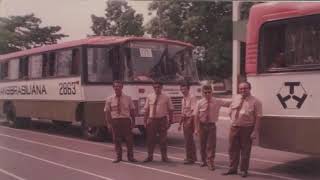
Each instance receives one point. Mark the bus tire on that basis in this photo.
(18, 122)
(13, 120)
(61, 124)
(92, 133)
(142, 130)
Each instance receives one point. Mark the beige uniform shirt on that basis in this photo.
(126, 104)
(250, 110)
(162, 107)
(202, 112)
(188, 105)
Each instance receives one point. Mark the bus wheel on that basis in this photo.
(93, 133)
(61, 124)
(142, 130)
(17, 122)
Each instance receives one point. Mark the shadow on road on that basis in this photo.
(302, 168)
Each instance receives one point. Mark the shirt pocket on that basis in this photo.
(114, 106)
(249, 110)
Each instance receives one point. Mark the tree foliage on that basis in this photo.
(245, 8)
(24, 32)
(120, 20)
(205, 24)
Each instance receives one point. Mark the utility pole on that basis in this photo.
(1, 8)
(235, 49)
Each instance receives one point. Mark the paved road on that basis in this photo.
(46, 152)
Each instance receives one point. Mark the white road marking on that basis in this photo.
(105, 145)
(226, 155)
(97, 156)
(11, 174)
(173, 157)
(54, 163)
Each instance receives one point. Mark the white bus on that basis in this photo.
(68, 82)
(283, 65)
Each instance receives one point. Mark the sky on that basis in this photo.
(72, 15)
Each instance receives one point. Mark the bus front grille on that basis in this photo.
(177, 103)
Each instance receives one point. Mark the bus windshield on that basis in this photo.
(142, 61)
(147, 61)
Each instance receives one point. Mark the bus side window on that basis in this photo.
(75, 62)
(63, 65)
(45, 66)
(13, 69)
(4, 70)
(23, 67)
(115, 63)
(51, 64)
(35, 66)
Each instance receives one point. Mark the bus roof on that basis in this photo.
(96, 40)
(271, 11)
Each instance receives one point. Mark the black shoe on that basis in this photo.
(148, 160)
(244, 174)
(132, 160)
(229, 173)
(203, 164)
(117, 160)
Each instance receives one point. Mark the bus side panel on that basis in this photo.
(55, 110)
(291, 116)
(94, 114)
(290, 134)
(2, 107)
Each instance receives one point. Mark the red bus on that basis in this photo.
(283, 65)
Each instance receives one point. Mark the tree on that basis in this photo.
(245, 8)
(24, 32)
(120, 20)
(204, 24)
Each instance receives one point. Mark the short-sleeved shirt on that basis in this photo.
(202, 113)
(163, 106)
(188, 104)
(250, 110)
(126, 104)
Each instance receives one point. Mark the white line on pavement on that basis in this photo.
(226, 155)
(54, 163)
(105, 145)
(11, 174)
(99, 157)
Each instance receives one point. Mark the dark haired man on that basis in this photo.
(120, 118)
(245, 115)
(206, 116)
(158, 108)
(187, 121)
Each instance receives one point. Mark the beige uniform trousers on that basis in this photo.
(240, 145)
(121, 129)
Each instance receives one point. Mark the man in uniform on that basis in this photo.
(245, 115)
(187, 121)
(206, 116)
(158, 107)
(120, 118)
